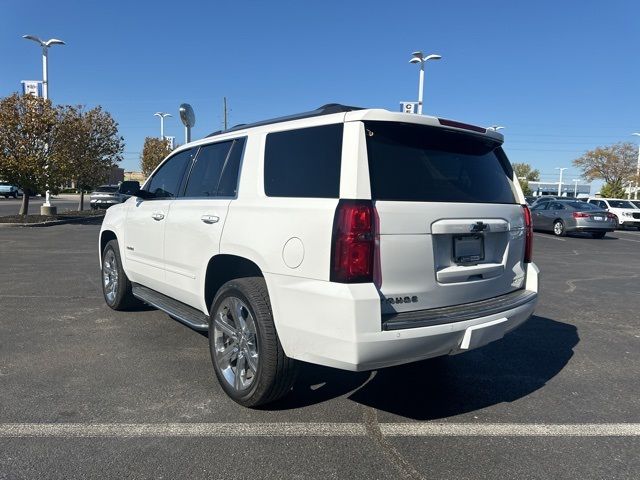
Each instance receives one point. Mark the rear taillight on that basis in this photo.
(353, 242)
(580, 215)
(528, 235)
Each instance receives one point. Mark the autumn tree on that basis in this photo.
(615, 164)
(89, 146)
(153, 152)
(27, 145)
(526, 174)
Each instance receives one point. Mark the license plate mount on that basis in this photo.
(468, 249)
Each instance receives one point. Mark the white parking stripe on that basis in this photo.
(550, 237)
(628, 240)
(127, 430)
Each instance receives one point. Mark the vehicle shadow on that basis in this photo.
(504, 371)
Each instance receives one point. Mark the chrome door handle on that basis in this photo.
(209, 219)
(157, 216)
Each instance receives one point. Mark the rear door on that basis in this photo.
(451, 229)
(197, 217)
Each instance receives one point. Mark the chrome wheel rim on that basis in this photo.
(235, 343)
(110, 275)
(557, 228)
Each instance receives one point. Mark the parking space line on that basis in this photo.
(628, 240)
(128, 430)
(538, 235)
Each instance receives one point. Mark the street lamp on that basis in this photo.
(46, 207)
(495, 128)
(575, 187)
(418, 57)
(162, 115)
(637, 168)
(45, 63)
(560, 182)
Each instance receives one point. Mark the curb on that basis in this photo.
(54, 222)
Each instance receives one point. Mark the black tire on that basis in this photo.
(598, 234)
(275, 372)
(559, 229)
(119, 297)
(15, 195)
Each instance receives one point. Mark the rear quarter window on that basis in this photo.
(427, 164)
(304, 162)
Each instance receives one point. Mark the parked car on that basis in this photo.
(565, 216)
(546, 198)
(636, 203)
(106, 196)
(626, 212)
(530, 200)
(350, 238)
(8, 190)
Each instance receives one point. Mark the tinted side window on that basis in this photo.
(304, 163)
(228, 186)
(166, 181)
(205, 174)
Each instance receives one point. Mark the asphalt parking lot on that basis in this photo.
(86, 392)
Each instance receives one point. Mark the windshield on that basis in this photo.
(427, 164)
(620, 204)
(107, 188)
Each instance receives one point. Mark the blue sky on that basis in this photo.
(562, 76)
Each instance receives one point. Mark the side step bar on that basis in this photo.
(178, 310)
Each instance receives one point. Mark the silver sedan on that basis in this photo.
(564, 216)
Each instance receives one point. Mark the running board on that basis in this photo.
(178, 310)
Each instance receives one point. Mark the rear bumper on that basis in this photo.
(340, 325)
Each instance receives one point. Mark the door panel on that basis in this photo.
(144, 241)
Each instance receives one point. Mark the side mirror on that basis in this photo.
(143, 194)
(130, 187)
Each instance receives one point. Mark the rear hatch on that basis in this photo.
(451, 229)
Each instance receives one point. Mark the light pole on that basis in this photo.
(162, 115)
(495, 128)
(575, 187)
(46, 208)
(418, 57)
(560, 182)
(45, 63)
(637, 168)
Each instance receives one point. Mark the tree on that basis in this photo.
(89, 146)
(615, 164)
(526, 174)
(27, 145)
(525, 170)
(612, 190)
(153, 152)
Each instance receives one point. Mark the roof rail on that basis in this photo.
(327, 109)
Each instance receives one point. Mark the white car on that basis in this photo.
(352, 238)
(7, 190)
(628, 214)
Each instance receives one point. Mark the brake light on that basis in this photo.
(353, 242)
(528, 235)
(580, 215)
(465, 126)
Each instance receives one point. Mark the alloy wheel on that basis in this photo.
(110, 275)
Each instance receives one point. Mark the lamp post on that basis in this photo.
(560, 182)
(637, 168)
(45, 60)
(575, 187)
(162, 115)
(46, 208)
(495, 128)
(418, 57)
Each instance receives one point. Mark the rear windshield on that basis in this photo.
(418, 163)
(583, 206)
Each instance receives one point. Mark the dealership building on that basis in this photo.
(580, 190)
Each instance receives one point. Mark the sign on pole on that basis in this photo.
(31, 87)
(409, 107)
(171, 141)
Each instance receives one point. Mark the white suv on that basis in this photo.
(627, 213)
(352, 238)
